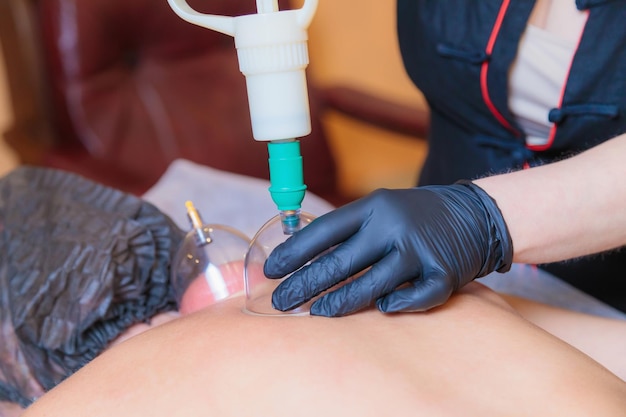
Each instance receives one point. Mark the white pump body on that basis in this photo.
(273, 55)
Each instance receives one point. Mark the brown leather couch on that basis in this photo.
(117, 89)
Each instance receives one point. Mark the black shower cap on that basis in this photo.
(80, 263)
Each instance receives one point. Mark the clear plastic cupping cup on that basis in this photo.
(208, 266)
(258, 287)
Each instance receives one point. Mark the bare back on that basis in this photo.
(474, 356)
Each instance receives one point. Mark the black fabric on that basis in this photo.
(81, 262)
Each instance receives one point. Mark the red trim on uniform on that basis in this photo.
(485, 68)
(553, 129)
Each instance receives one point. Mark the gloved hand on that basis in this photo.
(422, 245)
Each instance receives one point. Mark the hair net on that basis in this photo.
(80, 263)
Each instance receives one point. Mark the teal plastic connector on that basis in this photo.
(287, 186)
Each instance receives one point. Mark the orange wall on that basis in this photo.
(5, 112)
(8, 159)
(354, 41)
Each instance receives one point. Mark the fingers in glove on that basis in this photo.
(382, 278)
(345, 260)
(420, 295)
(322, 234)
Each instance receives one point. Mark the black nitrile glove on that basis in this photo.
(80, 263)
(422, 245)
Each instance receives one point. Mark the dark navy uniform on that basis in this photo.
(458, 53)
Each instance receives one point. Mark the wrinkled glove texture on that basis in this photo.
(81, 262)
(405, 250)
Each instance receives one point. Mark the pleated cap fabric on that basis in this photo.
(80, 263)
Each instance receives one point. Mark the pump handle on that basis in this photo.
(226, 24)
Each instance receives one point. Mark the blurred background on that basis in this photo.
(351, 43)
(8, 158)
(355, 43)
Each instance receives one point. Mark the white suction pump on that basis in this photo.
(273, 55)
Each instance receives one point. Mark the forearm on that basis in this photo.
(566, 209)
